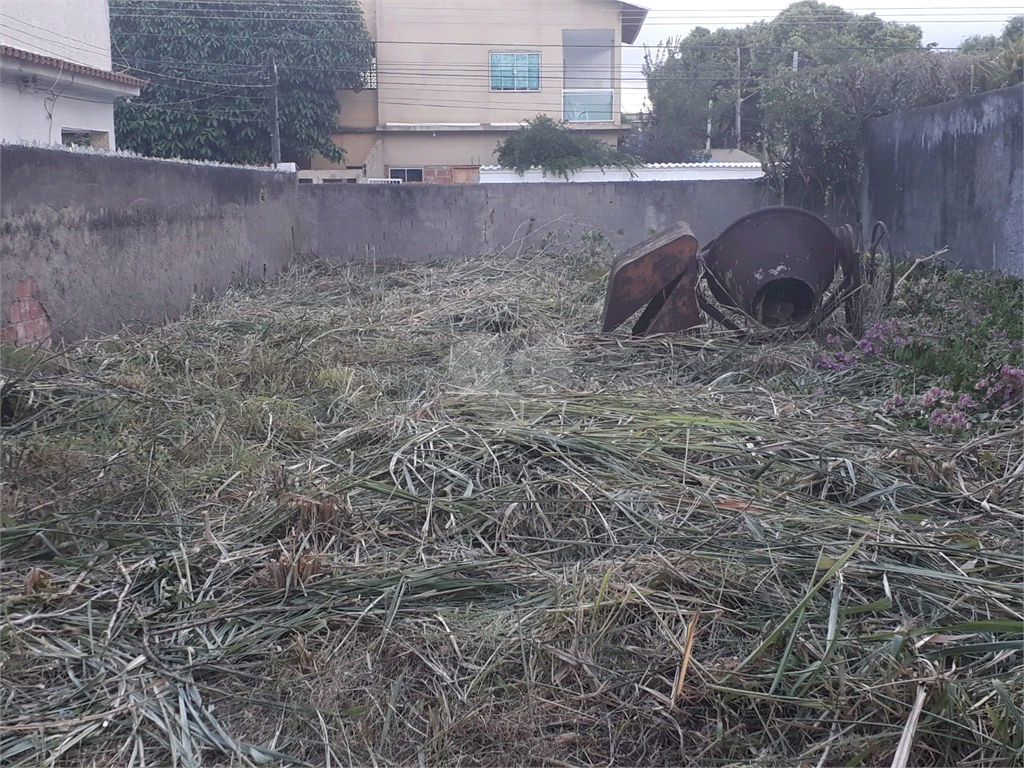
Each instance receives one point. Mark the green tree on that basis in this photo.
(813, 118)
(1011, 50)
(825, 34)
(692, 82)
(206, 63)
(715, 68)
(979, 44)
(1013, 32)
(557, 150)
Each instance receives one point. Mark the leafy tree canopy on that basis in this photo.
(1010, 40)
(558, 150)
(979, 44)
(806, 124)
(702, 68)
(1011, 49)
(206, 63)
(825, 34)
(812, 119)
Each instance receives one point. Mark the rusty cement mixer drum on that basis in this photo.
(774, 264)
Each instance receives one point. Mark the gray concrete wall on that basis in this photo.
(424, 222)
(951, 175)
(92, 243)
(111, 240)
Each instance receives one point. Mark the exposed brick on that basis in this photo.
(37, 332)
(30, 324)
(25, 289)
(438, 174)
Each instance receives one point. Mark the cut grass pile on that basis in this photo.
(424, 515)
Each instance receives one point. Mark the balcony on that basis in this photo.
(588, 60)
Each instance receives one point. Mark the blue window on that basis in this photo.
(515, 71)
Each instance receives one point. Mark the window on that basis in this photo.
(368, 77)
(406, 174)
(515, 71)
(94, 139)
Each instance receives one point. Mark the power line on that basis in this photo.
(390, 75)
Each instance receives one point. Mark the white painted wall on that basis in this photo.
(494, 174)
(25, 115)
(74, 30)
(39, 102)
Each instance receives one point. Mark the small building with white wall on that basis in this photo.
(56, 81)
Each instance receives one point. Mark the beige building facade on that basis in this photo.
(454, 80)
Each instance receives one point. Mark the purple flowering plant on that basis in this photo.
(952, 349)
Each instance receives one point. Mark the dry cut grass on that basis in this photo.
(424, 515)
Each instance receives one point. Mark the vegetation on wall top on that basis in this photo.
(557, 149)
(807, 82)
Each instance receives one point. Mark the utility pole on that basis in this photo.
(739, 96)
(707, 143)
(275, 123)
(796, 60)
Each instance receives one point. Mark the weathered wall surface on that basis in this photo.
(422, 222)
(102, 241)
(951, 175)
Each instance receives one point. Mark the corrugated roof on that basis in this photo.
(710, 164)
(658, 165)
(70, 66)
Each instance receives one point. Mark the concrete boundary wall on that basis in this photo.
(91, 243)
(951, 175)
(353, 222)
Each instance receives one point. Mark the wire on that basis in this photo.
(51, 32)
(427, 79)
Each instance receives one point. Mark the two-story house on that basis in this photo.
(56, 83)
(454, 79)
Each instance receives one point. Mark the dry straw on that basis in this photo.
(424, 515)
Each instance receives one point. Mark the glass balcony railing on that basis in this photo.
(587, 106)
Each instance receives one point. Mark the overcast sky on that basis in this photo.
(942, 21)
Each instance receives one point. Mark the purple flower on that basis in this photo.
(837, 361)
(954, 421)
(895, 403)
(935, 395)
(1016, 375)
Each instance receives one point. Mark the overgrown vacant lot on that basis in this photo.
(426, 516)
